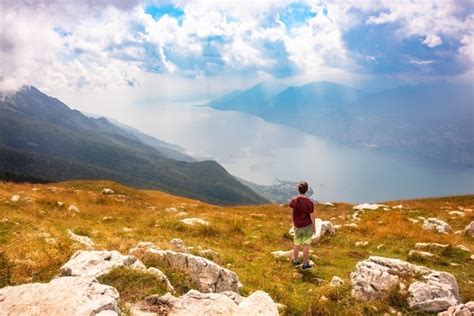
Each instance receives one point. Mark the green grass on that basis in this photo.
(243, 241)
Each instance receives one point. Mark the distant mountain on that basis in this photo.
(250, 101)
(42, 138)
(433, 121)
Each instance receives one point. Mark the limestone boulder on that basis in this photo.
(98, 263)
(62, 296)
(323, 228)
(107, 191)
(195, 221)
(195, 303)
(430, 291)
(436, 224)
(205, 274)
(83, 240)
(466, 309)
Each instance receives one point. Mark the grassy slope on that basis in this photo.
(243, 236)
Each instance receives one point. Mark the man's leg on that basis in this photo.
(296, 252)
(305, 253)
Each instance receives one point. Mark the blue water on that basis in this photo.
(260, 152)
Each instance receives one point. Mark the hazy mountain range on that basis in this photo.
(432, 121)
(42, 139)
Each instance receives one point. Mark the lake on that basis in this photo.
(261, 152)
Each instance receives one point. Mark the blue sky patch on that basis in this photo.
(158, 11)
(296, 14)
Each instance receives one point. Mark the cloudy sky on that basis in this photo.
(121, 52)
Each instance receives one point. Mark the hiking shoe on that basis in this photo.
(296, 263)
(306, 266)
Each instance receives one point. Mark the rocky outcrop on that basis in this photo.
(436, 225)
(205, 274)
(195, 220)
(469, 230)
(431, 291)
(62, 296)
(466, 309)
(97, 263)
(196, 303)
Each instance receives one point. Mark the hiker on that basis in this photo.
(303, 223)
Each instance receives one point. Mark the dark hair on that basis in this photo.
(303, 187)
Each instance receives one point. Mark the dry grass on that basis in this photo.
(34, 242)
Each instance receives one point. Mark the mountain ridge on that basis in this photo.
(89, 148)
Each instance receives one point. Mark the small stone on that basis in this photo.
(463, 248)
(15, 198)
(178, 245)
(336, 281)
(456, 213)
(323, 299)
(192, 221)
(399, 207)
(380, 246)
(297, 275)
(84, 240)
(361, 243)
(107, 191)
(60, 203)
(414, 221)
(73, 208)
(127, 229)
(107, 218)
(423, 254)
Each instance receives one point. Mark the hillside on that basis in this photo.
(42, 138)
(431, 121)
(34, 242)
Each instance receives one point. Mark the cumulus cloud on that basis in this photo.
(99, 44)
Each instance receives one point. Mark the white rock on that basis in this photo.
(430, 245)
(178, 245)
(322, 228)
(380, 246)
(399, 207)
(328, 204)
(414, 221)
(456, 213)
(206, 275)
(361, 243)
(375, 278)
(180, 214)
(282, 254)
(84, 240)
(171, 209)
(195, 220)
(469, 230)
(107, 191)
(437, 225)
(422, 254)
(463, 248)
(366, 206)
(351, 225)
(73, 208)
(466, 309)
(126, 229)
(60, 203)
(98, 263)
(336, 281)
(79, 296)
(15, 198)
(195, 303)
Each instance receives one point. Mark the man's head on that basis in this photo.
(303, 187)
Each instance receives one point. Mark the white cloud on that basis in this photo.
(432, 40)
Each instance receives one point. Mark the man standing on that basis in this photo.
(304, 225)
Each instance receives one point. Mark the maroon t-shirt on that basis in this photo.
(302, 208)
